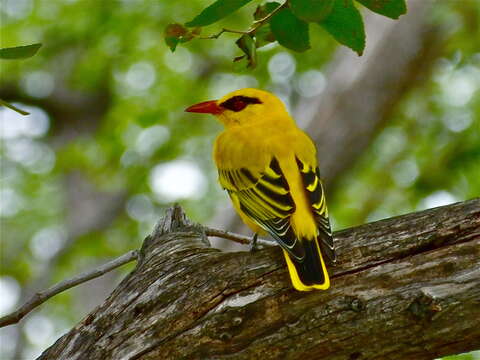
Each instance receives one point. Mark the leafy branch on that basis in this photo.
(15, 53)
(255, 26)
(287, 23)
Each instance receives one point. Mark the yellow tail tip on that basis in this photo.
(298, 284)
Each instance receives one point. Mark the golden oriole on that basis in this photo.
(269, 168)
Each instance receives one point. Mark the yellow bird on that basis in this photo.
(269, 168)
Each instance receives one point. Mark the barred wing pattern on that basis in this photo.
(316, 195)
(266, 199)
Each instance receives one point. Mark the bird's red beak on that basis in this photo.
(207, 107)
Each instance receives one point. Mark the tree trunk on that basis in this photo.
(405, 288)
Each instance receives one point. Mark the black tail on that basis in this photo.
(310, 272)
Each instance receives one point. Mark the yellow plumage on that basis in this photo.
(269, 168)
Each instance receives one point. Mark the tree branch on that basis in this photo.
(13, 107)
(42, 296)
(255, 26)
(74, 113)
(415, 278)
(240, 239)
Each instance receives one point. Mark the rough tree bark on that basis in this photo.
(405, 288)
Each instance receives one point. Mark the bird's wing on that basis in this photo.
(316, 195)
(265, 198)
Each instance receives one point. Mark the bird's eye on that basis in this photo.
(238, 103)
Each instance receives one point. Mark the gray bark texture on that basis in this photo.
(404, 288)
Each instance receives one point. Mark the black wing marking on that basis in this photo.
(316, 195)
(266, 199)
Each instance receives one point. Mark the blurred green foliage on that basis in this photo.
(144, 148)
(429, 152)
(15, 53)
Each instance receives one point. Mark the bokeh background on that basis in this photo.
(108, 147)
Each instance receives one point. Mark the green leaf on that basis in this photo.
(311, 10)
(19, 52)
(264, 9)
(390, 8)
(290, 31)
(177, 33)
(345, 24)
(173, 34)
(14, 108)
(264, 35)
(218, 10)
(248, 46)
(172, 42)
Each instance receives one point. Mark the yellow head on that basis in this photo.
(245, 107)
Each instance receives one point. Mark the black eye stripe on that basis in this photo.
(238, 103)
